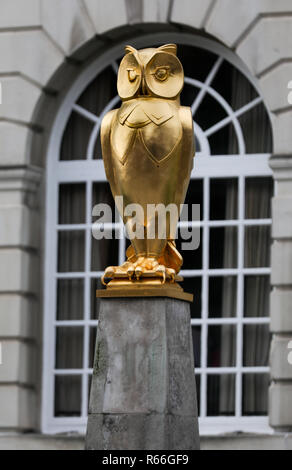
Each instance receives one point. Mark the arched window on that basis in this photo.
(228, 274)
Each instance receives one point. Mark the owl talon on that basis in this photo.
(103, 281)
(171, 273)
(138, 272)
(130, 272)
(110, 271)
(162, 272)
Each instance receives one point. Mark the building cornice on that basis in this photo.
(281, 165)
(22, 177)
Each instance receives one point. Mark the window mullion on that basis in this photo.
(240, 296)
(205, 290)
(87, 293)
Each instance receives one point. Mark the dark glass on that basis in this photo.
(258, 197)
(233, 86)
(72, 203)
(223, 247)
(189, 56)
(71, 244)
(193, 285)
(224, 141)
(195, 196)
(256, 128)
(255, 394)
(94, 301)
(188, 94)
(104, 252)
(67, 395)
(256, 343)
(76, 137)
(192, 259)
(69, 347)
(221, 345)
(198, 390)
(99, 92)
(256, 296)
(92, 341)
(221, 395)
(101, 193)
(70, 297)
(223, 198)
(196, 333)
(222, 296)
(206, 118)
(257, 243)
(89, 386)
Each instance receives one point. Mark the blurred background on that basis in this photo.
(58, 72)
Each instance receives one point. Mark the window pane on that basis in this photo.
(71, 251)
(257, 246)
(222, 296)
(221, 395)
(89, 387)
(192, 259)
(204, 117)
(195, 196)
(256, 128)
(223, 199)
(67, 395)
(104, 252)
(92, 339)
(190, 55)
(97, 152)
(76, 137)
(70, 299)
(188, 94)
(198, 390)
(193, 285)
(72, 203)
(94, 301)
(255, 394)
(99, 92)
(258, 196)
(101, 193)
(97, 95)
(69, 347)
(196, 332)
(223, 247)
(233, 86)
(221, 345)
(256, 342)
(256, 296)
(224, 141)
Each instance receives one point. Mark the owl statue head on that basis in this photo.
(150, 72)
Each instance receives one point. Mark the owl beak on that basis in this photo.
(143, 88)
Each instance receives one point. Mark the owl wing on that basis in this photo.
(188, 150)
(105, 134)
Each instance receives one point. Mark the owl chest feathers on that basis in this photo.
(154, 126)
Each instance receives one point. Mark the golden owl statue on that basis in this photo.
(148, 149)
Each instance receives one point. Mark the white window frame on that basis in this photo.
(90, 171)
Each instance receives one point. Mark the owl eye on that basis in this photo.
(161, 73)
(132, 75)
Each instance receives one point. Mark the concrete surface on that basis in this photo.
(143, 393)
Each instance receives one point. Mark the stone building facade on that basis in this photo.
(47, 48)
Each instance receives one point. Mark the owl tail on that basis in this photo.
(170, 257)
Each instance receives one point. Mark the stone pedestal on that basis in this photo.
(143, 393)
